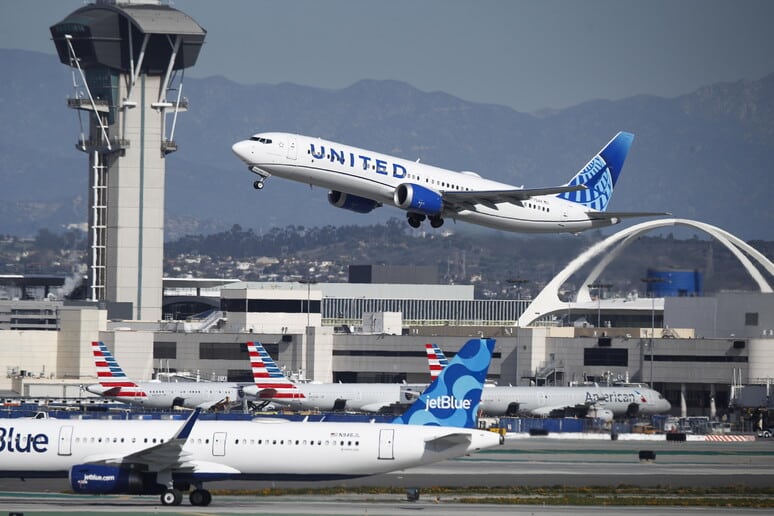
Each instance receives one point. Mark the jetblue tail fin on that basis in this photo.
(436, 360)
(453, 398)
(270, 381)
(600, 175)
(112, 379)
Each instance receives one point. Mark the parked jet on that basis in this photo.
(583, 400)
(272, 385)
(114, 384)
(165, 457)
(360, 180)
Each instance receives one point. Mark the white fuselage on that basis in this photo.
(233, 449)
(358, 397)
(164, 395)
(375, 176)
(540, 401)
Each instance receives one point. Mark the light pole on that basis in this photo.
(650, 281)
(599, 287)
(309, 282)
(517, 282)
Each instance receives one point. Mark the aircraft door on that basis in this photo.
(386, 444)
(219, 444)
(65, 440)
(292, 148)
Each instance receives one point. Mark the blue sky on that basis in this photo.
(524, 54)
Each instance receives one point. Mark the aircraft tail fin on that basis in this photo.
(435, 359)
(455, 395)
(600, 175)
(113, 380)
(269, 379)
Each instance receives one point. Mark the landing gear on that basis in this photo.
(171, 497)
(415, 219)
(262, 174)
(436, 221)
(200, 497)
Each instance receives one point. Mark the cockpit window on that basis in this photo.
(260, 139)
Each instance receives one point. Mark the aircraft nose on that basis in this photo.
(241, 149)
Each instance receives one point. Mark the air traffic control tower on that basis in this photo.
(128, 59)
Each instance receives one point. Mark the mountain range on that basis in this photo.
(705, 156)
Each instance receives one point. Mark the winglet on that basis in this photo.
(600, 174)
(185, 430)
(455, 395)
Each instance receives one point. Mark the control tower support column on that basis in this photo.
(127, 59)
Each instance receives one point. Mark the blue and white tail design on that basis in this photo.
(600, 175)
(454, 397)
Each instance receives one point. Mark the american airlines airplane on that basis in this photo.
(586, 400)
(115, 385)
(272, 385)
(168, 457)
(361, 180)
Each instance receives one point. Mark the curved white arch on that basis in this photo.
(548, 300)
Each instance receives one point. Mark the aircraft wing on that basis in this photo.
(375, 407)
(459, 201)
(166, 455)
(607, 215)
(546, 411)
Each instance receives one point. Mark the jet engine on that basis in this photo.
(418, 199)
(99, 479)
(352, 202)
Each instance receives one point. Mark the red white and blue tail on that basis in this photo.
(113, 382)
(435, 359)
(268, 378)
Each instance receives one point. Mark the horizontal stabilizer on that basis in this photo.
(444, 442)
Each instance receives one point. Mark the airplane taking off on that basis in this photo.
(272, 385)
(164, 457)
(115, 385)
(360, 180)
(584, 400)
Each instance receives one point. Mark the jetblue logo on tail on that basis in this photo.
(453, 398)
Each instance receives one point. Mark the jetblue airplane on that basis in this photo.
(605, 403)
(115, 385)
(272, 385)
(360, 180)
(168, 457)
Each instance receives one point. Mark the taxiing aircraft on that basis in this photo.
(583, 400)
(166, 457)
(272, 385)
(361, 180)
(115, 385)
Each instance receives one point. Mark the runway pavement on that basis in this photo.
(536, 461)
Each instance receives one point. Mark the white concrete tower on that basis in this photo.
(128, 59)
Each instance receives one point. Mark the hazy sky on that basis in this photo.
(524, 54)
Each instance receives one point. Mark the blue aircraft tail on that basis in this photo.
(453, 398)
(600, 175)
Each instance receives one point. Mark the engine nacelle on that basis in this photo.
(99, 479)
(351, 202)
(418, 199)
(605, 415)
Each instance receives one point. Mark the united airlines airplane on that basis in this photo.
(272, 385)
(584, 400)
(167, 457)
(360, 180)
(116, 385)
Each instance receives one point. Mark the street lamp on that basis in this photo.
(650, 281)
(599, 287)
(517, 282)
